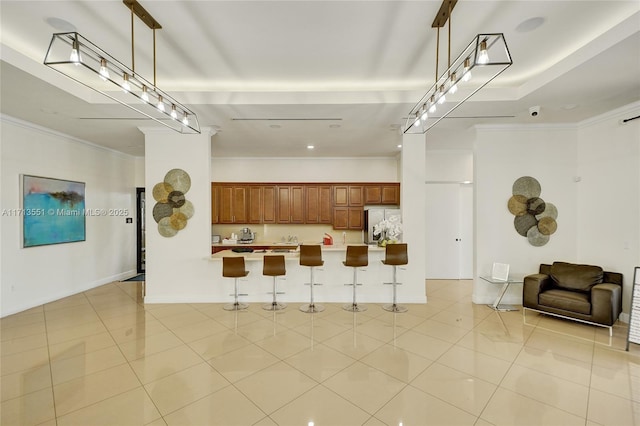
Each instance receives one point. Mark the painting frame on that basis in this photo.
(53, 211)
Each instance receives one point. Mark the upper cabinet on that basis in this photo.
(347, 195)
(382, 193)
(313, 203)
(262, 204)
(318, 206)
(233, 204)
(290, 207)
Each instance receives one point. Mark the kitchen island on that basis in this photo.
(333, 276)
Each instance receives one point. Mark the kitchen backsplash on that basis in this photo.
(268, 233)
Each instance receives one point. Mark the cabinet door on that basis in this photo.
(215, 203)
(255, 204)
(297, 204)
(341, 196)
(240, 204)
(356, 217)
(312, 204)
(284, 203)
(390, 194)
(225, 210)
(325, 206)
(372, 194)
(341, 218)
(268, 204)
(355, 196)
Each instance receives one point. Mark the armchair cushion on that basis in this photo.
(571, 276)
(572, 301)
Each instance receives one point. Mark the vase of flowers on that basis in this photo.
(388, 230)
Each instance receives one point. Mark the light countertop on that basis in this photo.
(294, 253)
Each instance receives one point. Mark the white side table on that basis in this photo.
(496, 306)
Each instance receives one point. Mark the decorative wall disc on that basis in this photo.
(534, 218)
(527, 186)
(179, 180)
(172, 210)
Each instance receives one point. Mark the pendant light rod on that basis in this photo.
(133, 49)
(142, 14)
(437, 53)
(154, 57)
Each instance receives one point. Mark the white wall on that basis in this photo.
(177, 269)
(609, 194)
(37, 275)
(502, 155)
(304, 170)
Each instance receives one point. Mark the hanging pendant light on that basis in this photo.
(487, 53)
(98, 66)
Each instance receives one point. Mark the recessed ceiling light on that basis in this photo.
(530, 24)
(310, 146)
(400, 146)
(60, 24)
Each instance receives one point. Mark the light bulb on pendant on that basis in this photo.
(174, 113)
(75, 56)
(160, 105)
(417, 122)
(454, 84)
(466, 76)
(145, 94)
(126, 87)
(423, 113)
(483, 58)
(185, 120)
(432, 108)
(442, 98)
(104, 72)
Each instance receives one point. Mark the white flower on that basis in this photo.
(392, 227)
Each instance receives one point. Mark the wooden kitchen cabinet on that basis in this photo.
(348, 218)
(318, 207)
(262, 204)
(387, 194)
(233, 204)
(290, 207)
(215, 201)
(347, 196)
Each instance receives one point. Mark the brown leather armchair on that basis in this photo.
(583, 293)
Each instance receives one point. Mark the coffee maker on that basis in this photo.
(246, 236)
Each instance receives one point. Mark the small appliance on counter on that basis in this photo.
(215, 239)
(246, 236)
(327, 240)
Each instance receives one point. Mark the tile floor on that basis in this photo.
(103, 358)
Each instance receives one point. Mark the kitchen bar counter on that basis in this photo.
(333, 275)
(218, 248)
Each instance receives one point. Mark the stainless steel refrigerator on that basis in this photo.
(373, 216)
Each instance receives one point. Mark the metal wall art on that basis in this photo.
(172, 210)
(534, 218)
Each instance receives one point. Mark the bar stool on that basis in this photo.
(233, 267)
(357, 257)
(273, 266)
(395, 255)
(311, 256)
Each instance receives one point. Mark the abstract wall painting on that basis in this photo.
(53, 211)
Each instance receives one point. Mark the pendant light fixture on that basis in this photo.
(487, 55)
(98, 70)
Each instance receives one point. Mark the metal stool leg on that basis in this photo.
(353, 306)
(394, 307)
(311, 307)
(236, 305)
(274, 305)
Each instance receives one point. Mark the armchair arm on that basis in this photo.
(606, 303)
(532, 287)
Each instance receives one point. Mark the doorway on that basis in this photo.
(449, 230)
(140, 237)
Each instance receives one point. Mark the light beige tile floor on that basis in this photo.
(103, 357)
